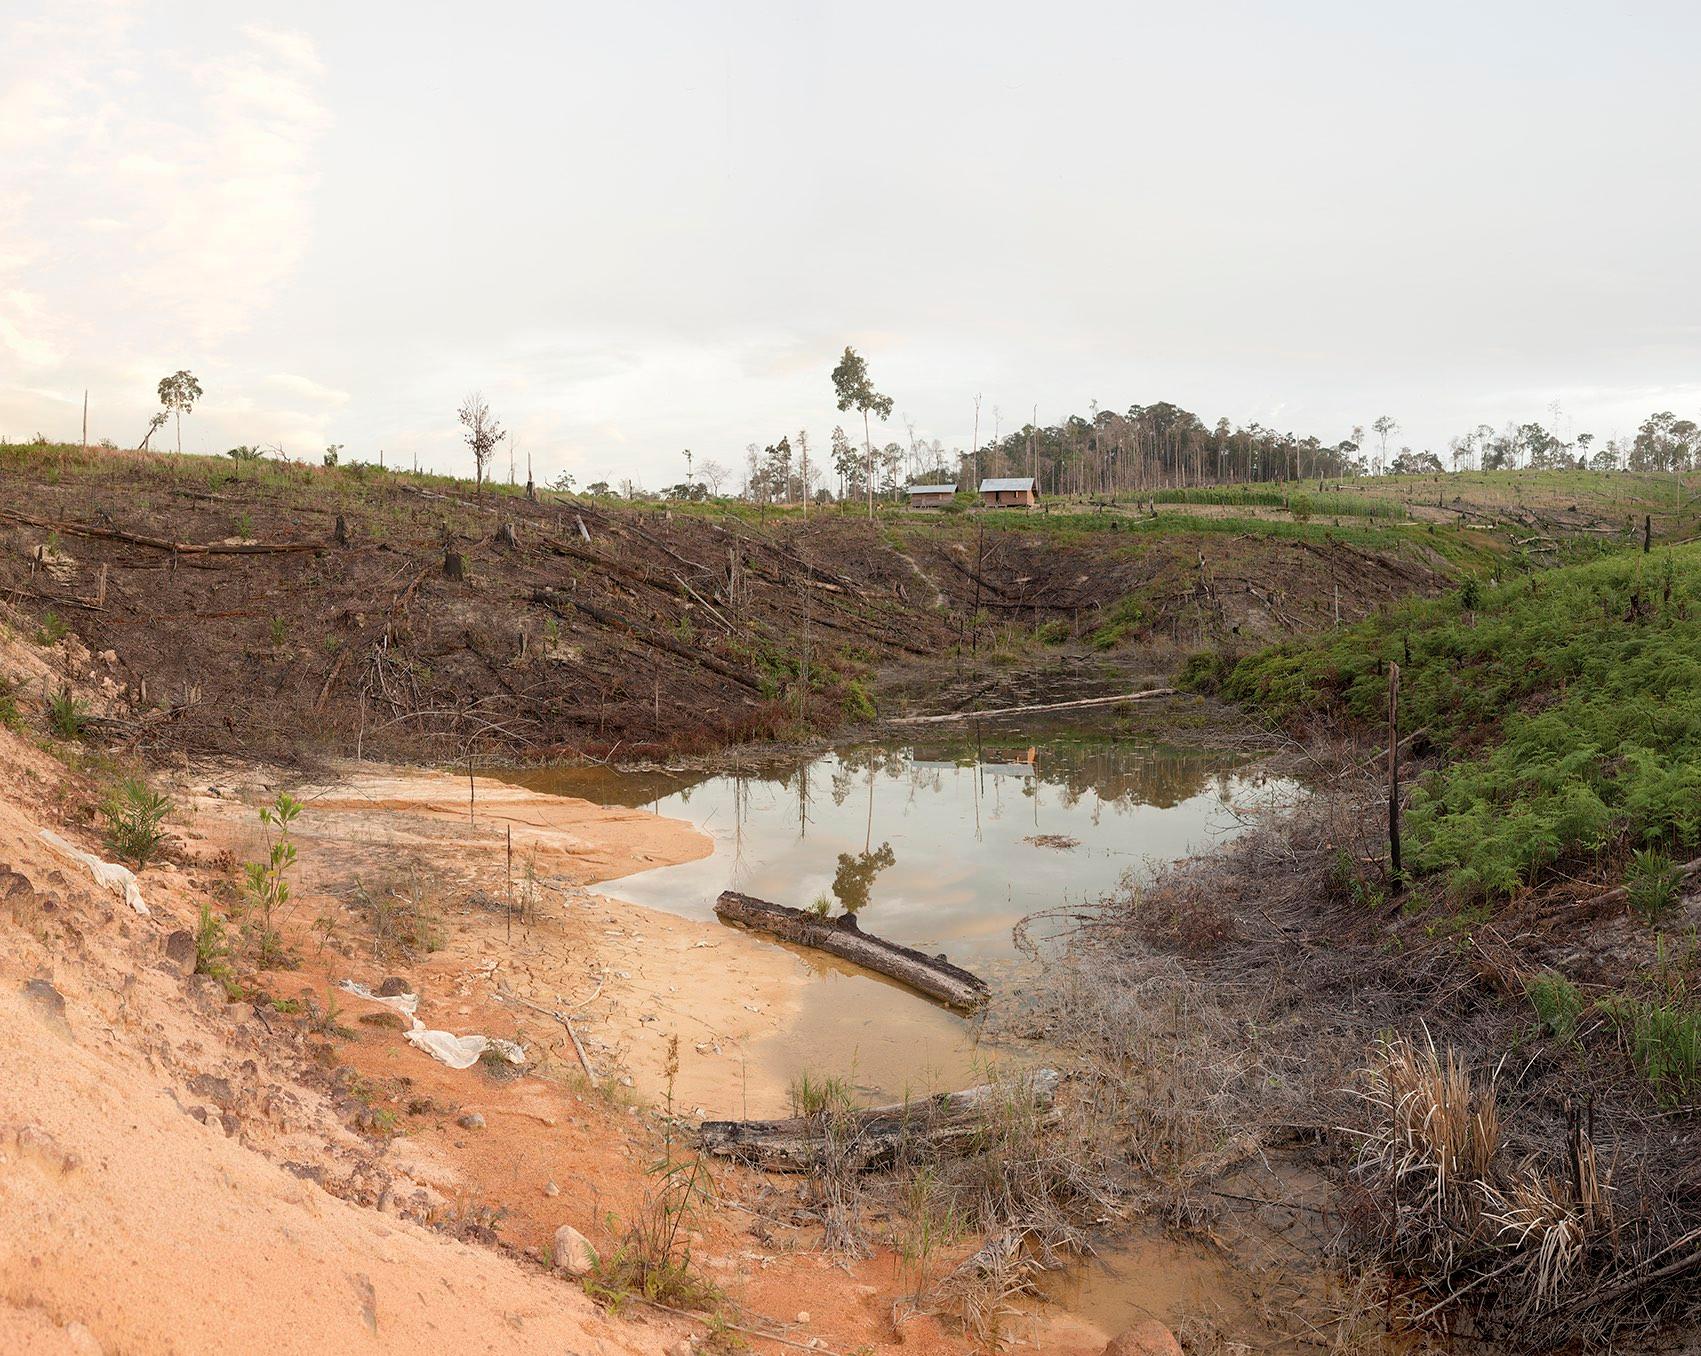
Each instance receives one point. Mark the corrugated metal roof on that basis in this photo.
(931, 489)
(1008, 483)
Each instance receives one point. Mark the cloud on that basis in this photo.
(176, 205)
(306, 390)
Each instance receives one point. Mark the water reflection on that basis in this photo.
(941, 843)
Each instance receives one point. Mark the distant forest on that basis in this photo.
(1161, 446)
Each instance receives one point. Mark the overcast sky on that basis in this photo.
(644, 227)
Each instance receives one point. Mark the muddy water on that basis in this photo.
(943, 845)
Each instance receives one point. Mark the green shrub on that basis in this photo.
(1571, 713)
(1053, 632)
(1664, 1041)
(52, 629)
(1121, 621)
(859, 701)
(1653, 883)
(11, 717)
(1299, 507)
(135, 816)
(67, 716)
(1557, 1001)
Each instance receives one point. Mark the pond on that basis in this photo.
(942, 843)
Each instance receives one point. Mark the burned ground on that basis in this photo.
(286, 609)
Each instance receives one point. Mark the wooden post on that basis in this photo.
(510, 885)
(1394, 769)
(85, 423)
(1647, 532)
(100, 588)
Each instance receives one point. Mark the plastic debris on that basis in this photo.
(119, 879)
(458, 1052)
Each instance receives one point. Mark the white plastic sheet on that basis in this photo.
(458, 1052)
(114, 877)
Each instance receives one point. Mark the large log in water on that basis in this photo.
(932, 975)
(866, 1140)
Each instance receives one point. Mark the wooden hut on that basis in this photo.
(1009, 492)
(931, 496)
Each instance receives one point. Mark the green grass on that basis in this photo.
(1326, 504)
(1568, 703)
(1558, 1003)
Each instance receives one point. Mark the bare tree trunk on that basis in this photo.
(1394, 769)
(868, 449)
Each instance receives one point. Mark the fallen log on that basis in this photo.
(932, 975)
(1043, 706)
(875, 1138)
(254, 548)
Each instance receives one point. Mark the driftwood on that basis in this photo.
(1043, 706)
(866, 1140)
(932, 975)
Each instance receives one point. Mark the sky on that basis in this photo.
(650, 227)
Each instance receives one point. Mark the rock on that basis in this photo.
(550, 1189)
(573, 1252)
(46, 999)
(394, 987)
(208, 992)
(1148, 1337)
(15, 887)
(471, 1121)
(215, 1089)
(803, 1316)
(80, 1341)
(180, 951)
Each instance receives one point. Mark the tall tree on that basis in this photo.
(178, 393)
(482, 434)
(1386, 426)
(855, 391)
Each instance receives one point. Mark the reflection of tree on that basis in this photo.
(854, 878)
(1112, 772)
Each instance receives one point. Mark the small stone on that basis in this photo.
(550, 1189)
(394, 987)
(471, 1121)
(215, 1089)
(625, 1080)
(573, 1252)
(803, 1315)
(48, 1001)
(180, 951)
(1148, 1337)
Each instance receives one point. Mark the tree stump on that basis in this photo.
(505, 536)
(453, 566)
(341, 533)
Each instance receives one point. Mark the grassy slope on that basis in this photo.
(1568, 704)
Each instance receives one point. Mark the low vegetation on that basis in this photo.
(1567, 705)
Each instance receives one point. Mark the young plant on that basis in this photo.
(653, 1258)
(1653, 885)
(11, 717)
(67, 716)
(135, 818)
(52, 629)
(265, 885)
(212, 948)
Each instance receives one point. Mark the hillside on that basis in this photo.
(283, 609)
(1514, 1010)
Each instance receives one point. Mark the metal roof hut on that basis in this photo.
(931, 496)
(1009, 492)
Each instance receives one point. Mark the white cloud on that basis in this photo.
(176, 205)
